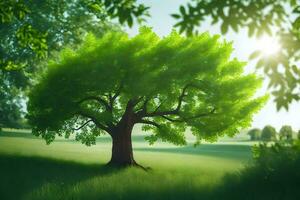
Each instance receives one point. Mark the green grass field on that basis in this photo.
(66, 169)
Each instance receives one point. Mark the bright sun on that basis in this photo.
(268, 45)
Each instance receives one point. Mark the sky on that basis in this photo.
(162, 23)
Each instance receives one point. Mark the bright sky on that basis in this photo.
(162, 23)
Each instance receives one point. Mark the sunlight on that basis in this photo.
(268, 45)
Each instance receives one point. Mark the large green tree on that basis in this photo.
(273, 17)
(31, 30)
(168, 85)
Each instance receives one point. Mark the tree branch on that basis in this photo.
(180, 98)
(98, 124)
(149, 122)
(143, 108)
(184, 119)
(158, 107)
(88, 121)
(113, 98)
(177, 109)
(136, 101)
(172, 120)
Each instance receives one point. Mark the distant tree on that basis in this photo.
(286, 133)
(298, 135)
(112, 83)
(273, 17)
(10, 109)
(254, 134)
(268, 133)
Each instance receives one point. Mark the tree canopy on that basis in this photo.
(268, 133)
(167, 84)
(254, 134)
(9, 114)
(286, 132)
(273, 17)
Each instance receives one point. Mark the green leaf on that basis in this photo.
(129, 21)
(296, 9)
(261, 63)
(96, 7)
(234, 26)
(176, 16)
(293, 2)
(182, 10)
(224, 28)
(251, 30)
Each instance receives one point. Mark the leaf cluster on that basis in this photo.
(272, 17)
(30, 29)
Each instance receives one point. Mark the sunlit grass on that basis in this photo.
(66, 169)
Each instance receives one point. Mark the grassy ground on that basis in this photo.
(29, 169)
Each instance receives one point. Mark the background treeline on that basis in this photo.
(269, 133)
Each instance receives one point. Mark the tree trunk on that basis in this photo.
(122, 154)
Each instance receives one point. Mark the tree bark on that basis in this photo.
(122, 154)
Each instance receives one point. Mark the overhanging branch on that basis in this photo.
(185, 119)
(172, 120)
(95, 121)
(88, 121)
(113, 97)
(143, 109)
(175, 112)
(178, 107)
(149, 122)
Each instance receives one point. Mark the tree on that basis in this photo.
(110, 84)
(286, 133)
(268, 133)
(273, 17)
(29, 29)
(10, 101)
(298, 135)
(32, 30)
(9, 114)
(254, 134)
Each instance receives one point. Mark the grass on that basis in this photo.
(66, 169)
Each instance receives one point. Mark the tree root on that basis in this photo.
(142, 167)
(126, 165)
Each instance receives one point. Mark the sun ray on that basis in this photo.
(268, 45)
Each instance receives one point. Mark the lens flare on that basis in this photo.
(268, 45)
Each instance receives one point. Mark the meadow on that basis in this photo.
(66, 169)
